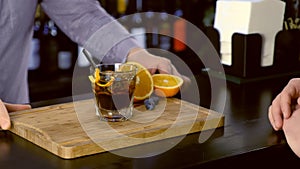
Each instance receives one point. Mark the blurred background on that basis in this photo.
(54, 55)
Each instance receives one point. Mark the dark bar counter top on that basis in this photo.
(246, 141)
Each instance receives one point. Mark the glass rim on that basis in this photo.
(116, 66)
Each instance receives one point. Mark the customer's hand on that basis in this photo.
(5, 108)
(284, 103)
(155, 63)
(292, 131)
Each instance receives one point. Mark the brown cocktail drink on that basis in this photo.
(113, 87)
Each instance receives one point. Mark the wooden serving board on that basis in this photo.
(73, 130)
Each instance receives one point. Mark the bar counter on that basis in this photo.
(246, 141)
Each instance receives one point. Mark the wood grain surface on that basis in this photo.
(72, 130)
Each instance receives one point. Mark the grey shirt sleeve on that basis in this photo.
(89, 25)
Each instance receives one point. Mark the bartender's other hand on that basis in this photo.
(7, 107)
(155, 63)
(284, 103)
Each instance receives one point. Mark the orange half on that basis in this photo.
(144, 82)
(166, 85)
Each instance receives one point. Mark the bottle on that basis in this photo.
(151, 19)
(164, 27)
(292, 15)
(34, 58)
(111, 7)
(135, 24)
(103, 3)
(67, 52)
(179, 29)
(122, 12)
(121, 7)
(49, 47)
(58, 53)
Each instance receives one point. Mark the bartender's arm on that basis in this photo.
(86, 23)
(89, 25)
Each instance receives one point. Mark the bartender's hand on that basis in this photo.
(285, 103)
(5, 108)
(155, 63)
(292, 131)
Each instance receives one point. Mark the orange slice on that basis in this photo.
(166, 85)
(144, 82)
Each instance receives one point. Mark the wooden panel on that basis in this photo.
(73, 130)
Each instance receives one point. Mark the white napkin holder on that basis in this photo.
(264, 17)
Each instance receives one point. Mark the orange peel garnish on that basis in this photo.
(112, 79)
(96, 79)
(97, 74)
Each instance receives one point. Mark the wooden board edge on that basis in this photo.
(44, 141)
(72, 152)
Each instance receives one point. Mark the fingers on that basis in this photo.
(186, 80)
(282, 107)
(271, 119)
(276, 112)
(285, 101)
(165, 66)
(155, 63)
(289, 97)
(4, 117)
(5, 123)
(276, 122)
(283, 104)
(298, 101)
(16, 107)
